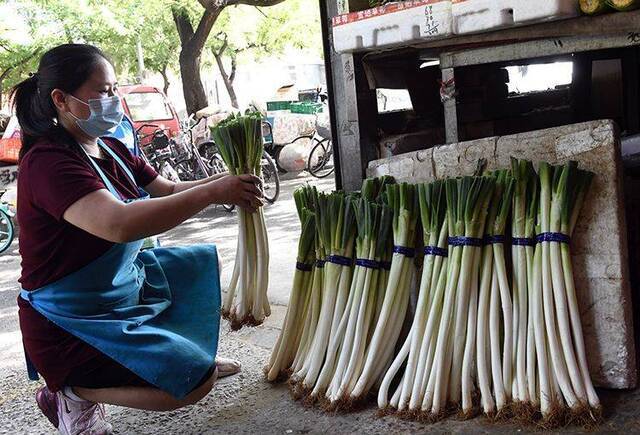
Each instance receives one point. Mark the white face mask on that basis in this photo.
(106, 115)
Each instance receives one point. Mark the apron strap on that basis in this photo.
(101, 173)
(118, 160)
(31, 369)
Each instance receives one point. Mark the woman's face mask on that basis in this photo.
(106, 115)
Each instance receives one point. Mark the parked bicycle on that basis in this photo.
(7, 229)
(159, 152)
(320, 161)
(191, 164)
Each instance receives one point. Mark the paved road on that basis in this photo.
(244, 403)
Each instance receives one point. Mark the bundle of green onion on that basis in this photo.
(335, 221)
(239, 140)
(347, 347)
(418, 349)
(510, 336)
(403, 201)
(286, 347)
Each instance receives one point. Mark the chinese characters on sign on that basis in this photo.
(8, 175)
(431, 26)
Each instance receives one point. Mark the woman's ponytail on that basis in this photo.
(36, 115)
(65, 67)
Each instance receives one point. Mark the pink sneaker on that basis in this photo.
(47, 403)
(80, 417)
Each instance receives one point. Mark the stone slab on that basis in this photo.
(599, 245)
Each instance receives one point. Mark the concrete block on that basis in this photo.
(599, 245)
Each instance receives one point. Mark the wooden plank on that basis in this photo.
(450, 107)
(627, 24)
(534, 49)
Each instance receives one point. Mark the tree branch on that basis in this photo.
(234, 67)
(208, 19)
(183, 25)
(220, 63)
(4, 45)
(225, 44)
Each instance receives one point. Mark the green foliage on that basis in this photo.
(116, 25)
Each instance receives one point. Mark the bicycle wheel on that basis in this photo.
(270, 179)
(6, 231)
(185, 170)
(217, 165)
(169, 172)
(189, 170)
(320, 163)
(207, 150)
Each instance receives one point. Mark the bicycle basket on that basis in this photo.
(160, 141)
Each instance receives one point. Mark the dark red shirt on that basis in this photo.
(51, 179)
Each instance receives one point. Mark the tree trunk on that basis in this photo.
(192, 42)
(165, 80)
(4, 74)
(228, 78)
(194, 95)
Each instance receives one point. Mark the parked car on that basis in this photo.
(148, 106)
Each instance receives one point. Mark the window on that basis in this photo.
(148, 106)
(539, 77)
(393, 100)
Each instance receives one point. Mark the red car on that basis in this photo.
(149, 105)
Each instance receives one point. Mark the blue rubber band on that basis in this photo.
(369, 264)
(304, 267)
(435, 251)
(339, 260)
(553, 237)
(403, 250)
(465, 241)
(386, 265)
(523, 241)
(320, 263)
(492, 240)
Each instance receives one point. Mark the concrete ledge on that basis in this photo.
(599, 246)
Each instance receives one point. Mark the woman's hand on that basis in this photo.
(240, 190)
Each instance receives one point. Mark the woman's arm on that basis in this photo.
(102, 215)
(163, 187)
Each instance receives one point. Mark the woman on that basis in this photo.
(101, 321)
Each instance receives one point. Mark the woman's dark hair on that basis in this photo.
(66, 67)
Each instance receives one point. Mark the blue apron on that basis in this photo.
(156, 312)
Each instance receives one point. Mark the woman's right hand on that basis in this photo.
(240, 190)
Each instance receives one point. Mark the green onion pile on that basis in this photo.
(497, 325)
(239, 140)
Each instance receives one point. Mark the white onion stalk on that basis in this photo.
(555, 348)
(467, 202)
(488, 314)
(284, 351)
(529, 233)
(374, 228)
(519, 285)
(570, 217)
(335, 221)
(239, 139)
(432, 208)
(403, 201)
(428, 347)
(476, 205)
